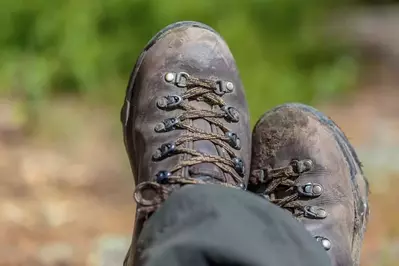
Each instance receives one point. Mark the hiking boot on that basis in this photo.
(302, 162)
(185, 118)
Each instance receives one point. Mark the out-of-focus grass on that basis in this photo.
(89, 47)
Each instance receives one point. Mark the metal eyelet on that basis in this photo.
(301, 166)
(169, 101)
(181, 79)
(310, 190)
(170, 77)
(231, 113)
(314, 212)
(239, 166)
(223, 87)
(234, 140)
(163, 177)
(326, 244)
(167, 125)
(164, 151)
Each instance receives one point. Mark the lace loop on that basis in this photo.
(169, 101)
(181, 79)
(233, 140)
(231, 114)
(314, 212)
(167, 125)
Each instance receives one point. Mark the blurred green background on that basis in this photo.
(89, 47)
(65, 181)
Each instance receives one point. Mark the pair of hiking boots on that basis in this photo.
(185, 120)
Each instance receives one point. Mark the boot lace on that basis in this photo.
(211, 92)
(283, 181)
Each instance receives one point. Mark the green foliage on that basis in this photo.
(89, 47)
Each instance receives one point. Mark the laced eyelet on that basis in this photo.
(167, 125)
(163, 177)
(314, 212)
(164, 151)
(169, 101)
(181, 79)
(231, 114)
(234, 140)
(301, 166)
(304, 166)
(239, 166)
(310, 190)
(326, 244)
(223, 87)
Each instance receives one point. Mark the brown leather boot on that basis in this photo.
(303, 162)
(185, 118)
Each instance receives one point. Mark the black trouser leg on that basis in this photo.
(213, 225)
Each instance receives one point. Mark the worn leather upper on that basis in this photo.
(200, 53)
(197, 50)
(336, 186)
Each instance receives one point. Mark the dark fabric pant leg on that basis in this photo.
(213, 225)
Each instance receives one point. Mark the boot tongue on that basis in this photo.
(205, 171)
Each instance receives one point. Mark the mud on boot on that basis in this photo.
(302, 162)
(185, 119)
